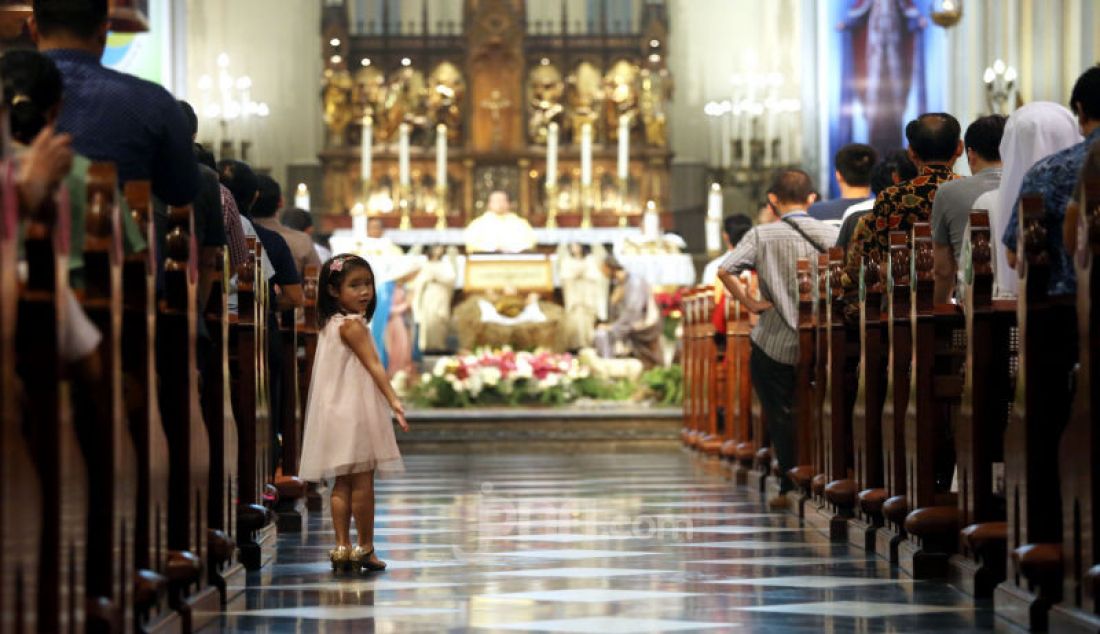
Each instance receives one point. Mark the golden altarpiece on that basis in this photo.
(445, 118)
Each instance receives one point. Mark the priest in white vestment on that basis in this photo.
(499, 230)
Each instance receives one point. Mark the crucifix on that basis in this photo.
(494, 105)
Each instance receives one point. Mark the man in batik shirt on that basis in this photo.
(934, 144)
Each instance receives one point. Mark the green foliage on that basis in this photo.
(665, 385)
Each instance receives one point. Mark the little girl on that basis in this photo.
(348, 433)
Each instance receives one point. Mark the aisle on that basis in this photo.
(587, 543)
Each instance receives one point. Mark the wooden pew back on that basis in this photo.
(101, 417)
(20, 494)
(44, 310)
(143, 414)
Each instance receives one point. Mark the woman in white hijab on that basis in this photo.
(1033, 132)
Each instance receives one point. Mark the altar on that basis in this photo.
(663, 270)
(422, 126)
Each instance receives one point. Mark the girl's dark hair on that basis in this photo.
(32, 86)
(327, 305)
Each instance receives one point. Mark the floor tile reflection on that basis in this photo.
(586, 543)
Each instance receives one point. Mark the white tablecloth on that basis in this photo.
(455, 237)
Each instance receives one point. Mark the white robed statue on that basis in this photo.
(432, 290)
(584, 290)
(499, 230)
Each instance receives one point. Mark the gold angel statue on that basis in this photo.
(406, 100)
(338, 108)
(656, 90)
(446, 92)
(545, 90)
(620, 87)
(370, 93)
(585, 95)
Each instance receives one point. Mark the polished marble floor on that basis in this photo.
(588, 543)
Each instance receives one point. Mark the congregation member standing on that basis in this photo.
(853, 164)
(773, 251)
(892, 169)
(954, 200)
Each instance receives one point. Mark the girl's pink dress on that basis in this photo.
(348, 426)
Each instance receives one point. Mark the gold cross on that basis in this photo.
(494, 105)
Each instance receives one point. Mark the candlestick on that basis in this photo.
(366, 146)
(586, 154)
(441, 156)
(301, 197)
(551, 155)
(624, 147)
(403, 155)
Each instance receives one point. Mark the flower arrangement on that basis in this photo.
(672, 311)
(508, 377)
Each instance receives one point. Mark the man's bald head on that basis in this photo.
(498, 202)
(934, 137)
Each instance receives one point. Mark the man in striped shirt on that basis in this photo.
(773, 251)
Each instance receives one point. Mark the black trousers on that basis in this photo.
(774, 385)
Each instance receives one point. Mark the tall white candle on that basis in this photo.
(714, 218)
(586, 154)
(651, 221)
(366, 147)
(727, 140)
(301, 197)
(552, 154)
(403, 155)
(624, 147)
(441, 155)
(769, 131)
(359, 221)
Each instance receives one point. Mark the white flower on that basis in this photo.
(490, 375)
(426, 378)
(475, 384)
(551, 380)
(441, 366)
(523, 368)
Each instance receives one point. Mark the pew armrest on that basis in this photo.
(895, 509)
(801, 476)
(933, 522)
(1041, 564)
(980, 539)
(871, 501)
(841, 493)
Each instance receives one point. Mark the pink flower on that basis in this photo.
(337, 265)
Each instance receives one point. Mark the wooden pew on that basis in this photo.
(101, 417)
(899, 338)
(1079, 455)
(710, 440)
(20, 502)
(687, 359)
(739, 412)
(151, 610)
(291, 505)
(307, 338)
(803, 408)
(867, 410)
(836, 420)
(256, 529)
(1039, 413)
(47, 418)
(224, 571)
(181, 414)
(819, 378)
(934, 386)
(980, 420)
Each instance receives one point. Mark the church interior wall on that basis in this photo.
(276, 43)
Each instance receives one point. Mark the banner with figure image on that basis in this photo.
(890, 66)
